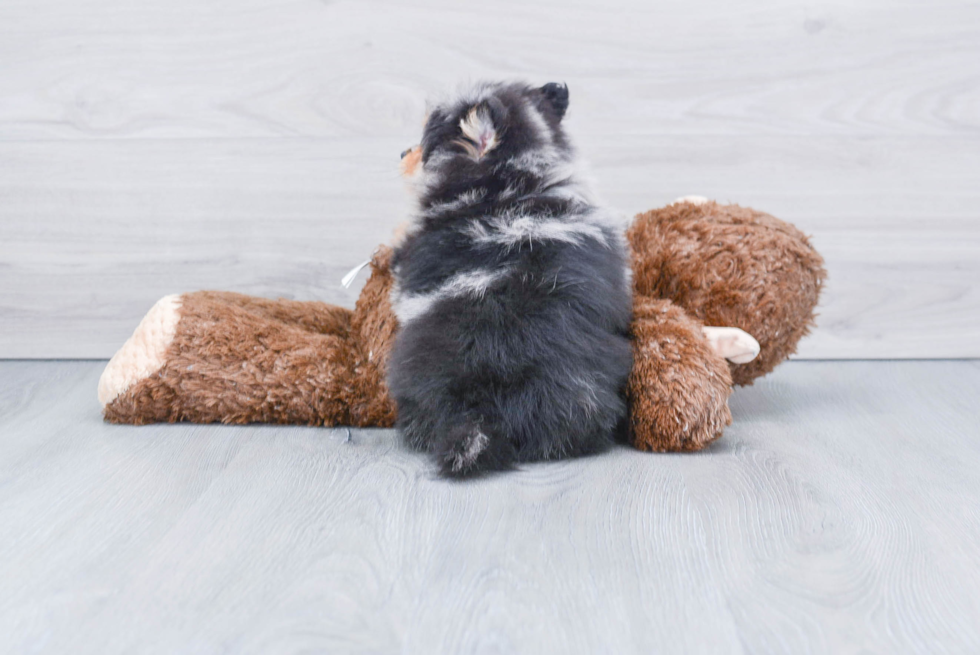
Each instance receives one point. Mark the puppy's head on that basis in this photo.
(489, 125)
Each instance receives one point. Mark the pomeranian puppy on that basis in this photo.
(512, 290)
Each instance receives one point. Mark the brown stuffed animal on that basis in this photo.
(224, 357)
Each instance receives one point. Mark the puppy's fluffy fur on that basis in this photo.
(512, 291)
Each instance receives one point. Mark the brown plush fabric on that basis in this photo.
(239, 359)
(678, 390)
(373, 327)
(731, 266)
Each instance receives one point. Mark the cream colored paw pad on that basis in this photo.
(735, 345)
(142, 354)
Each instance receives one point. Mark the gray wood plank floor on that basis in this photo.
(841, 513)
(155, 148)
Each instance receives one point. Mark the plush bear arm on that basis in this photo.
(679, 387)
(730, 266)
(373, 328)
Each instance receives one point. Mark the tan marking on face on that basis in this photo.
(399, 234)
(411, 161)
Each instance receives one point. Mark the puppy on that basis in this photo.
(512, 291)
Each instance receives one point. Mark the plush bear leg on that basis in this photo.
(224, 357)
(221, 357)
(679, 387)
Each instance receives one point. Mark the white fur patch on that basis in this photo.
(561, 177)
(408, 307)
(427, 175)
(525, 229)
(478, 127)
(473, 446)
(587, 397)
(142, 354)
(628, 277)
(471, 283)
(465, 199)
(538, 162)
(540, 125)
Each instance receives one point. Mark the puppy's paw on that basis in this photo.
(735, 345)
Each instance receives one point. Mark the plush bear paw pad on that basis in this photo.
(733, 344)
(143, 353)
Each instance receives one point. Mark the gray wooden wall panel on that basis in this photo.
(147, 149)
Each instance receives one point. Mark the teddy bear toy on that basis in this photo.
(721, 295)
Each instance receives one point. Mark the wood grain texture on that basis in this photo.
(147, 149)
(254, 68)
(838, 514)
(87, 249)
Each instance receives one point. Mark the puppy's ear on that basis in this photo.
(557, 95)
(481, 134)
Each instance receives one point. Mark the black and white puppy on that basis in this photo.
(512, 291)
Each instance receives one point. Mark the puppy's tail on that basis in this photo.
(469, 450)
